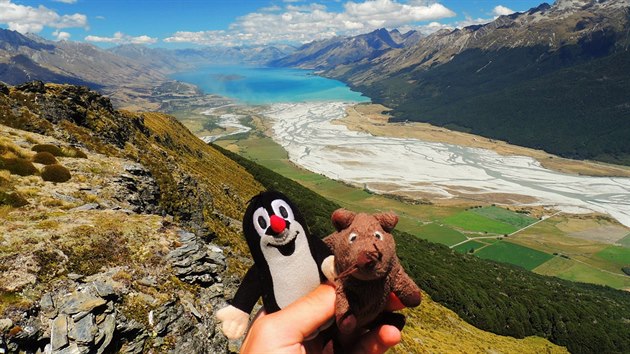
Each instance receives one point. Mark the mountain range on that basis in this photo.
(552, 78)
(330, 53)
(129, 74)
(555, 78)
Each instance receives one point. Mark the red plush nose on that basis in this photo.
(277, 224)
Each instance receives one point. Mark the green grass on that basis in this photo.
(465, 247)
(620, 256)
(625, 241)
(514, 254)
(440, 234)
(471, 221)
(572, 270)
(505, 216)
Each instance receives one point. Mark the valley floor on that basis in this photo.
(373, 119)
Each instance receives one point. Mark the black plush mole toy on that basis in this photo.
(287, 261)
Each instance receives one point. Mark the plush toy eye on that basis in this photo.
(378, 235)
(262, 222)
(352, 237)
(282, 208)
(260, 219)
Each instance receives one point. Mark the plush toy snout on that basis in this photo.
(368, 259)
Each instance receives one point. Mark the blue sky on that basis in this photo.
(187, 23)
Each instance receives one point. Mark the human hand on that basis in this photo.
(285, 331)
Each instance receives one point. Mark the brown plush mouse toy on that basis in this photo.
(367, 270)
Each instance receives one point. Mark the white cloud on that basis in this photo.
(121, 38)
(67, 1)
(26, 19)
(308, 22)
(501, 10)
(61, 35)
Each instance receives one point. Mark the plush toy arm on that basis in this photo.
(233, 321)
(321, 253)
(328, 268)
(406, 289)
(235, 317)
(248, 292)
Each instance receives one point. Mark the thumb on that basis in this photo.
(307, 314)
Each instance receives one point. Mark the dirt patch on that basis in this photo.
(590, 227)
(373, 119)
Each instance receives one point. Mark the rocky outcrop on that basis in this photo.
(196, 262)
(139, 189)
(105, 313)
(119, 259)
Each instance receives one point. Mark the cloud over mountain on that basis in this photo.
(27, 19)
(305, 23)
(121, 38)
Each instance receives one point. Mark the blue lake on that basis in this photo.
(252, 85)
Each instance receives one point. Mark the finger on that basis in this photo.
(378, 340)
(394, 303)
(308, 313)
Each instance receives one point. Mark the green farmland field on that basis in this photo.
(625, 241)
(505, 216)
(573, 270)
(440, 234)
(471, 221)
(508, 252)
(465, 247)
(619, 256)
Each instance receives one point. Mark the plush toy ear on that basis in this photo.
(342, 218)
(387, 220)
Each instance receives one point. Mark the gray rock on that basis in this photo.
(103, 290)
(139, 189)
(74, 276)
(189, 305)
(166, 315)
(5, 325)
(73, 348)
(185, 236)
(135, 335)
(106, 333)
(59, 332)
(80, 302)
(148, 281)
(194, 262)
(86, 207)
(83, 330)
(65, 198)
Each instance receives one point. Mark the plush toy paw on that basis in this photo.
(328, 268)
(233, 321)
(347, 324)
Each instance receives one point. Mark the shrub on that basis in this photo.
(55, 173)
(53, 149)
(45, 158)
(18, 166)
(14, 199)
(626, 270)
(70, 151)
